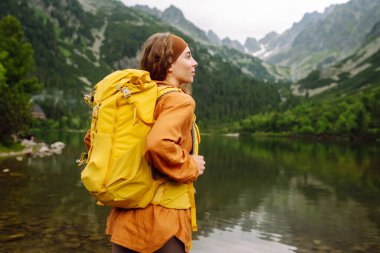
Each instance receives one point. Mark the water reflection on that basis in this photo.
(46, 208)
(256, 196)
(317, 197)
(241, 241)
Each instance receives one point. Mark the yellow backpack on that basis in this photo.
(116, 172)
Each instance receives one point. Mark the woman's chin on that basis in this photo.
(187, 82)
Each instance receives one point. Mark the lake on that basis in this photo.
(257, 195)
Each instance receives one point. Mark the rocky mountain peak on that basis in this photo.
(214, 38)
(233, 44)
(173, 13)
(269, 37)
(153, 11)
(252, 44)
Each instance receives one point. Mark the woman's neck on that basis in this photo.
(172, 82)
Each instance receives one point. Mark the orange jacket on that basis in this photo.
(169, 142)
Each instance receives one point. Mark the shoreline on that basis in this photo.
(34, 149)
(14, 153)
(309, 137)
(317, 138)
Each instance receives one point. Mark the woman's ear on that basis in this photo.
(170, 70)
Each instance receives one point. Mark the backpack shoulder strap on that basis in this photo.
(165, 89)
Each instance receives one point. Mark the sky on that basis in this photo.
(239, 19)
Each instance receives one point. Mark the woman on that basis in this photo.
(165, 225)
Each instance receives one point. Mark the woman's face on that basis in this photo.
(183, 69)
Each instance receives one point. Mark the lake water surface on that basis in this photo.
(264, 196)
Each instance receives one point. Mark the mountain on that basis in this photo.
(214, 38)
(266, 44)
(321, 39)
(174, 17)
(226, 47)
(317, 40)
(273, 43)
(153, 11)
(77, 44)
(354, 73)
(252, 45)
(342, 99)
(235, 44)
(374, 33)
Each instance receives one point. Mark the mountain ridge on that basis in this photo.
(77, 44)
(331, 36)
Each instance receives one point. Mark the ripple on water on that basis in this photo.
(241, 241)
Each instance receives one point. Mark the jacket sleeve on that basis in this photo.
(87, 139)
(164, 148)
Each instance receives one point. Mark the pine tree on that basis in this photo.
(17, 79)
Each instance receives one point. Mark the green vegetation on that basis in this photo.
(251, 66)
(313, 81)
(11, 147)
(63, 39)
(358, 114)
(350, 108)
(17, 80)
(224, 94)
(74, 49)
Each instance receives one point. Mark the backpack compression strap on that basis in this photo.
(194, 151)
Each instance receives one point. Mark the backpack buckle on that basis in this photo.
(89, 99)
(95, 111)
(83, 159)
(126, 92)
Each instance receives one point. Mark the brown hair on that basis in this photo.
(157, 55)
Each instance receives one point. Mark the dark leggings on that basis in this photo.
(172, 246)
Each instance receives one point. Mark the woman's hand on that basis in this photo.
(200, 161)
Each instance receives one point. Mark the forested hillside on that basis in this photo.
(77, 43)
(343, 99)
